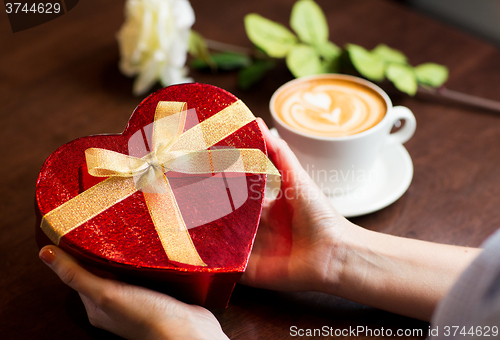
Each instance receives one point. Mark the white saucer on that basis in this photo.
(393, 170)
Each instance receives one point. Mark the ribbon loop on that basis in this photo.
(170, 119)
(106, 163)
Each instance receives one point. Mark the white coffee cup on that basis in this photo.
(341, 164)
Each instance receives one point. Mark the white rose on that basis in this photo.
(154, 42)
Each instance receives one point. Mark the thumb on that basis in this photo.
(283, 157)
(70, 272)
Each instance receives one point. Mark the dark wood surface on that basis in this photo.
(60, 81)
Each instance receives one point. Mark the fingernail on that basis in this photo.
(47, 255)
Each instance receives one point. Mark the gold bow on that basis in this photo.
(172, 150)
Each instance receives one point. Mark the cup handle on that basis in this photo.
(406, 132)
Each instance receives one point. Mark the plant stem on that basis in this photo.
(223, 47)
(462, 98)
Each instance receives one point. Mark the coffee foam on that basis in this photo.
(330, 107)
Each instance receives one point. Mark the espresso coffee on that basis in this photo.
(330, 107)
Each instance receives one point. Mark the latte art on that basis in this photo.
(330, 107)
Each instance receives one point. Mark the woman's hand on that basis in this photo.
(303, 243)
(130, 311)
(297, 244)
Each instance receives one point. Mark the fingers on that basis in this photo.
(269, 138)
(130, 311)
(281, 155)
(104, 293)
(71, 273)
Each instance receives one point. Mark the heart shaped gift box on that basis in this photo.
(172, 203)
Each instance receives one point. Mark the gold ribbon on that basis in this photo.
(172, 150)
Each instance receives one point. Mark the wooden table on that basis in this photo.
(60, 81)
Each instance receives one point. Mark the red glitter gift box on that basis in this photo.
(172, 203)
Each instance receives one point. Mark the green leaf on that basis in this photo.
(389, 54)
(231, 61)
(330, 55)
(366, 63)
(303, 60)
(403, 78)
(328, 50)
(196, 44)
(226, 61)
(275, 39)
(431, 74)
(330, 66)
(198, 48)
(251, 74)
(309, 22)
